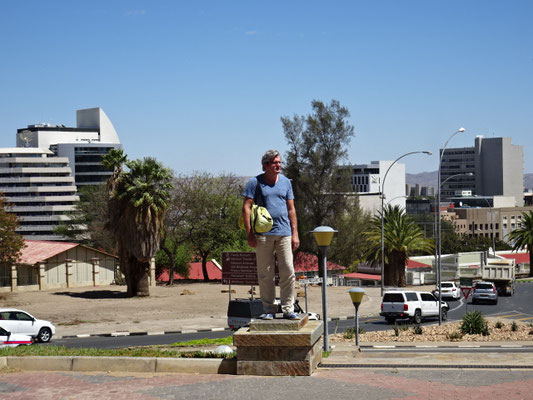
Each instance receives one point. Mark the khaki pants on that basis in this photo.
(270, 247)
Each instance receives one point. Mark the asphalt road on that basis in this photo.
(517, 307)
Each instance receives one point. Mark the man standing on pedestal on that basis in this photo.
(280, 241)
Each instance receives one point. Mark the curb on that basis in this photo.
(423, 366)
(458, 346)
(121, 364)
(127, 333)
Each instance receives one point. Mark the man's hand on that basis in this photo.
(252, 240)
(295, 242)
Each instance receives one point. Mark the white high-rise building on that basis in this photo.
(40, 188)
(367, 181)
(84, 145)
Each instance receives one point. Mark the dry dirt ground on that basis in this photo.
(106, 309)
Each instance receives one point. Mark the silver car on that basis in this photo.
(484, 291)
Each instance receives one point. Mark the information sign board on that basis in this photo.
(239, 268)
(465, 282)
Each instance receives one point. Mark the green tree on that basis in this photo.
(210, 206)
(92, 214)
(350, 243)
(522, 237)
(318, 144)
(174, 256)
(11, 243)
(138, 200)
(402, 238)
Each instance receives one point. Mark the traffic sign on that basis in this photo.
(466, 291)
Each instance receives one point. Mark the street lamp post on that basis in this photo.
(492, 224)
(437, 206)
(323, 236)
(381, 190)
(460, 130)
(356, 294)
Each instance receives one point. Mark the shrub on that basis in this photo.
(349, 333)
(457, 335)
(514, 326)
(396, 330)
(498, 325)
(474, 323)
(417, 329)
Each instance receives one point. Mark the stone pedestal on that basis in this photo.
(279, 347)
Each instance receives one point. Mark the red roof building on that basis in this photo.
(520, 258)
(363, 277)
(305, 262)
(214, 271)
(51, 265)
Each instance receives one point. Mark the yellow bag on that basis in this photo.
(260, 219)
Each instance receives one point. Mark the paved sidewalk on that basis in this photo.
(368, 384)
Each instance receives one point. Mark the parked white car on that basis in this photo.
(449, 290)
(8, 339)
(21, 322)
(413, 305)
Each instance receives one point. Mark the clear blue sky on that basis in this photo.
(201, 85)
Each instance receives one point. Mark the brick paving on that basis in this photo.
(365, 384)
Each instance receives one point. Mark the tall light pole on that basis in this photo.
(492, 223)
(460, 130)
(323, 236)
(381, 191)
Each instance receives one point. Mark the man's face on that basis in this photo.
(273, 166)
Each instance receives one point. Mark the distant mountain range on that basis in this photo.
(430, 179)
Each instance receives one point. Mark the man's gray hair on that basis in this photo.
(269, 155)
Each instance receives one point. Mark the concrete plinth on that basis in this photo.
(279, 347)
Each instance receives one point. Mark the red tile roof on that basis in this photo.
(195, 272)
(304, 262)
(520, 258)
(358, 275)
(412, 264)
(39, 250)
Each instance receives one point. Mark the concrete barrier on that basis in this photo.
(114, 364)
(121, 364)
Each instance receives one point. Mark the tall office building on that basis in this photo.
(84, 145)
(40, 188)
(496, 166)
(367, 179)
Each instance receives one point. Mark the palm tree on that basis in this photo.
(139, 198)
(402, 238)
(522, 238)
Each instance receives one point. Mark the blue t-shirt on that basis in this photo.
(275, 200)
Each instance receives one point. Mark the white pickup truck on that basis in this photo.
(413, 305)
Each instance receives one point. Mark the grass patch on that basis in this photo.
(228, 340)
(50, 351)
(172, 350)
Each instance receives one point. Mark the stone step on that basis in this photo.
(278, 324)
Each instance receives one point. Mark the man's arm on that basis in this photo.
(246, 212)
(294, 225)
